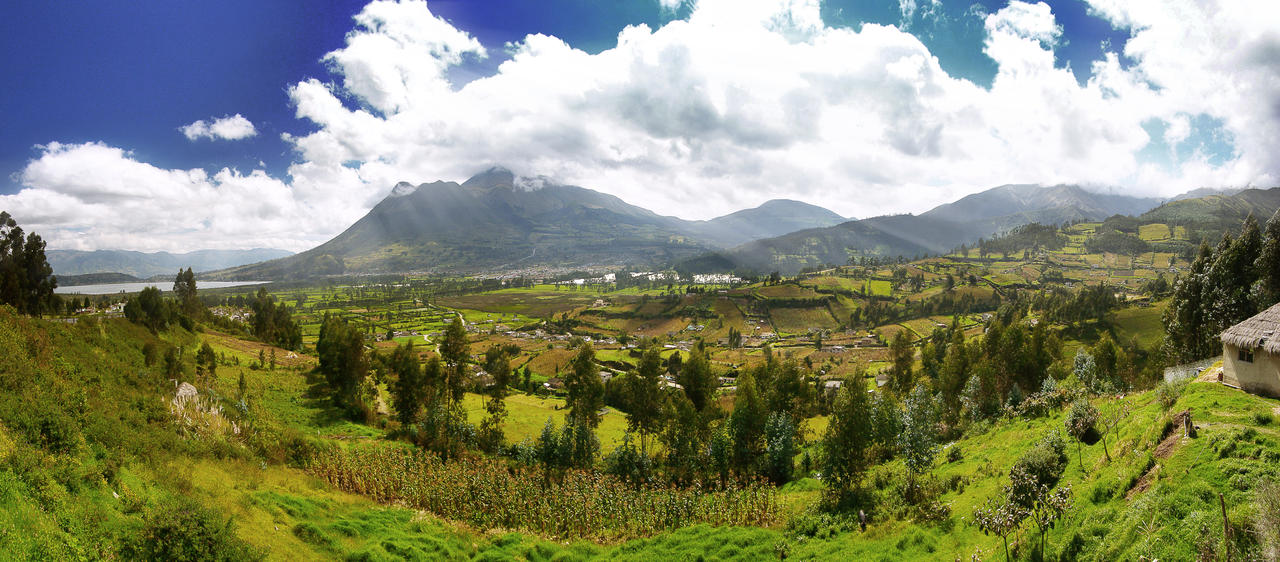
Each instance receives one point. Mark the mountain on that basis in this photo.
(1207, 191)
(1004, 207)
(773, 218)
(139, 264)
(1207, 217)
(492, 221)
(936, 231)
(496, 220)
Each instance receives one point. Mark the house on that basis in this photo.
(1251, 353)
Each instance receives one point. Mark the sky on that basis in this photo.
(152, 125)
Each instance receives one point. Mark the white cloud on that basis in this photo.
(234, 127)
(88, 196)
(742, 102)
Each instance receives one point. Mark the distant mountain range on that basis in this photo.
(497, 221)
(938, 230)
(144, 265)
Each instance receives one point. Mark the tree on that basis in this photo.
(698, 381)
(207, 362)
(780, 447)
(26, 278)
(173, 363)
(1080, 422)
(148, 308)
(918, 440)
(645, 396)
(844, 446)
(340, 348)
(455, 352)
(184, 288)
(410, 390)
(498, 366)
(585, 389)
(1186, 334)
(274, 323)
(902, 355)
(746, 423)
(1000, 517)
(1040, 500)
(1268, 264)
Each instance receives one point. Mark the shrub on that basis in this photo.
(1167, 393)
(181, 529)
(1262, 418)
(1043, 463)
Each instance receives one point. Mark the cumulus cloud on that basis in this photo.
(744, 101)
(89, 196)
(234, 127)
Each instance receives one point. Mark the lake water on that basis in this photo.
(114, 288)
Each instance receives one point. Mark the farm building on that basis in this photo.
(1251, 353)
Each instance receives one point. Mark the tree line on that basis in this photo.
(1225, 285)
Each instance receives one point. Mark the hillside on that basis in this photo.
(116, 471)
(1207, 217)
(144, 265)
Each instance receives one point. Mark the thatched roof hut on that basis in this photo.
(1251, 353)
(1257, 332)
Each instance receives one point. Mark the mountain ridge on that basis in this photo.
(147, 264)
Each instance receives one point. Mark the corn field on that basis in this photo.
(488, 493)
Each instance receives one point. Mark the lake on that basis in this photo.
(166, 286)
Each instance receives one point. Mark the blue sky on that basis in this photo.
(109, 86)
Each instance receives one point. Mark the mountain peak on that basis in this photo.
(493, 178)
(401, 189)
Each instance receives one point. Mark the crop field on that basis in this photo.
(1143, 323)
(788, 291)
(800, 320)
(526, 416)
(528, 303)
(1154, 232)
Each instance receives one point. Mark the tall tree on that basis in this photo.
(343, 363)
(26, 278)
(698, 381)
(918, 440)
(455, 352)
(410, 390)
(645, 396)
(584, 387)
(902, 355)
(844, 446)
(184, 289)
(1185, 323)
(746, 423)
(1268, 264)
(497, 364)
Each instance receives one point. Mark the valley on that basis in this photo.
(269, 444)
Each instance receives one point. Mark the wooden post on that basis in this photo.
(1226, 525)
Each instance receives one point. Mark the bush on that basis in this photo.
(1262, 418)
(1044, 462)
(1167, 393)
(181, 529)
